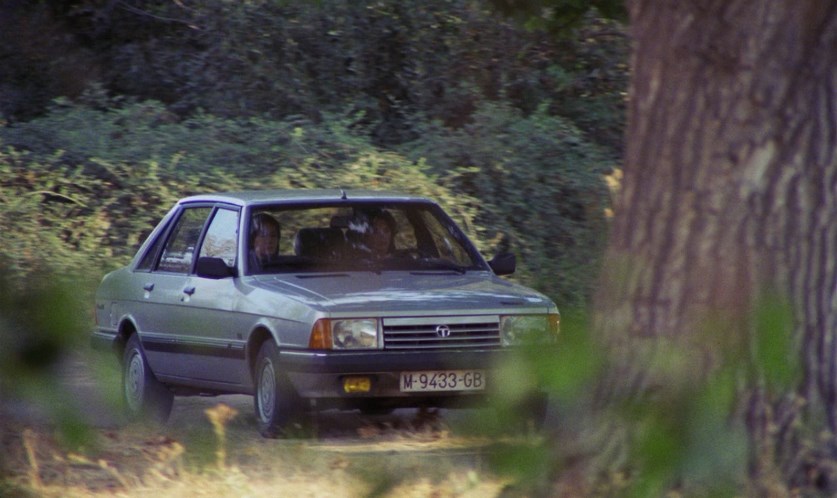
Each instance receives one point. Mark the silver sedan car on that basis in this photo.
(314, 299)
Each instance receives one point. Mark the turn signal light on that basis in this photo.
(320, 335)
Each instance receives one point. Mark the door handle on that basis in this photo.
(149, 287)
(189, 290)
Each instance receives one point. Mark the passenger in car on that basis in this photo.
(264, 241)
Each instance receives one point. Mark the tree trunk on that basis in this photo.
(730, 182)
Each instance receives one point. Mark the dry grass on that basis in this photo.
(225, 459)
(211, 447)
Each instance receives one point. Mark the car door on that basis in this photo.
(165, 289)
(212, 333)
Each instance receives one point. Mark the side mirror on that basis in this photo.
(214, 268)
(503, 264)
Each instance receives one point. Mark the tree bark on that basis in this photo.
(730, 181)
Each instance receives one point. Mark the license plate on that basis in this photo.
(443, 380)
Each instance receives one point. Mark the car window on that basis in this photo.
(221, 236)
(445, 243)
(364, 236)
(150, 256)
(180, 248)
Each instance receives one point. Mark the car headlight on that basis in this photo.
(529, 329)
(344, 334)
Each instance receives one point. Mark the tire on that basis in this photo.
(143, 396)
(536, 406)
(376, 411)
(526, 416)
(276, 403)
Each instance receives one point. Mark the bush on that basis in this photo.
(81, 188)
(391, 60)
(89, 184)
(539, 189)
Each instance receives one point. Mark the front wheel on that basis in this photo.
(376, 411)
(536, 406)
(525, 415)
(143, 395)
(275, 401)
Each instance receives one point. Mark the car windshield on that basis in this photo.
(361, 236)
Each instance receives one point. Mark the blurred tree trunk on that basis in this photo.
(730, 181)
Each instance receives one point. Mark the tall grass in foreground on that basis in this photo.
(42, 319)
(649, 417)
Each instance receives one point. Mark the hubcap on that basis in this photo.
(134, 382)
(267, 392)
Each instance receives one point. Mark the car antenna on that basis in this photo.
(343, 194)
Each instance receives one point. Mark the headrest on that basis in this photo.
(318, 242)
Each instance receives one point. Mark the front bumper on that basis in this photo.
(320, 375)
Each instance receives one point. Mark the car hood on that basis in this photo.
(400, 292)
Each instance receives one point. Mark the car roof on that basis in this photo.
(256, 197)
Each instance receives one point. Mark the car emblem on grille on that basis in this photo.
(443, 331)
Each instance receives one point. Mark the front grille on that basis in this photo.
(465, 332)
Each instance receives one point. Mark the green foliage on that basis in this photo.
(389, 60)
(509, 129)
(114, 131)
(77, 219)
(40, 322)
(91, 203)
(651, 417)
(89, 184)
(655, 416)
(228, 95)
(540, 191)
(31, 340)
(773, 347)
(684, 436)
(559, 16)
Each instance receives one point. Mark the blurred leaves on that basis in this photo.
(644, 417)
(776, 357)
(41, 322)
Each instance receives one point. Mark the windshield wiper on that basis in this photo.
(442, 266)
(321, 275)
(438, 272)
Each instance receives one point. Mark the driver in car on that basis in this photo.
(264, 240)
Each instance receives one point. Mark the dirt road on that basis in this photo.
(405, 445)
(87, 385)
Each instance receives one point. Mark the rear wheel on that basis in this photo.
(143, 395)
(275, 401)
